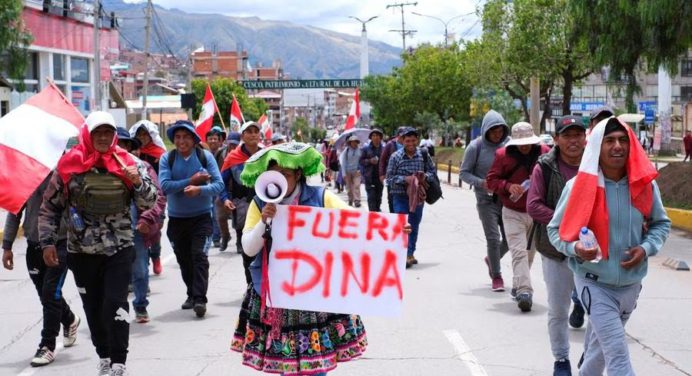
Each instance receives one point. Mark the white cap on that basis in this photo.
(98, 118)
(248, 125)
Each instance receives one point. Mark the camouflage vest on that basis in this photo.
(101, 194)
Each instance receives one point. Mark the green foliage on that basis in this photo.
(300, 130)
(14, 37)
(224, 89)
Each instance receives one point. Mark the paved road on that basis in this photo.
(452, 324)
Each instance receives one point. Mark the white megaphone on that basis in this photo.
(271, 186)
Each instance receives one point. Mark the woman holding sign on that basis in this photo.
(288, 341)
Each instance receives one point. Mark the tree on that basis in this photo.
(224, 89)
(14, 38)
(300, 130)
(623, 34)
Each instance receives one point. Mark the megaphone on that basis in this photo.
(271, 186)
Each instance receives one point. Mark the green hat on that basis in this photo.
(293, 155)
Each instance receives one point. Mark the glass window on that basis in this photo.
(686, 70)
(58, 67)
(31, 72)
(79, 69)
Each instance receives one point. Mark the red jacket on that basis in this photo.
(687, 140)
(504, 173)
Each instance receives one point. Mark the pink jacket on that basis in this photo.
(154, 216)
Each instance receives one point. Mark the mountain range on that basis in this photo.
(305, 51)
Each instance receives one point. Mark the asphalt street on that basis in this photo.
(452, 323)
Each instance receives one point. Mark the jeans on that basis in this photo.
(189, 237)
(48, 283)
(102, 284)
(605, 343)
(414, 218)
(155, 250)
(517, 227)
(352, 180)
(140, 273)
(490, 214)
(559, 281)
(374, 192)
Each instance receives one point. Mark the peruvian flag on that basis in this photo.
(354, 114)
(32, 139)
(587, 206)
(237, 118)
(206, 117)
(265, 128)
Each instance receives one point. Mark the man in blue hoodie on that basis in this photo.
(609, 287)
(190, 179)
(478, 157)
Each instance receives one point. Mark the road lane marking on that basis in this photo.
(464, 352)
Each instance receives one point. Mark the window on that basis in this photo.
(79, 69)
(686, 68)
(58, 67)
(686, 93)
(31, 72)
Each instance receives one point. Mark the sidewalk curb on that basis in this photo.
(681, 219)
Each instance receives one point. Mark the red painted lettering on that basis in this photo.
(328, 261)
(298, 255)
(344, 222)
(384, 280)
(348, 270)
(293, 220)
(316, 224)
(398, 229)
(379, 223)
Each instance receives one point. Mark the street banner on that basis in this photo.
(337, 260)
(206, 117)
(237, 118)
(354, 113)
(32, 138)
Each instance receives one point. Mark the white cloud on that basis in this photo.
(333, 15)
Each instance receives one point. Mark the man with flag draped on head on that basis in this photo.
(95, 184)
(614, 195)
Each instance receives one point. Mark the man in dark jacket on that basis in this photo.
(369, 161)
(392, 146)
(478, 157)
(548, 179)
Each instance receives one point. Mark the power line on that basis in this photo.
(404, 32)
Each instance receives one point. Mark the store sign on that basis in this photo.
(301, 84)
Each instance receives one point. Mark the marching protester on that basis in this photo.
(548, 179)
(508, 178)
(333, 165)
(150, 151)
(215, 139)
(478, 158)
(350, 169)
(147, 225)
(370, 163)
(279, 346)
(47, 280)
(223, 215)
(95, 184)
(190, 179)
(236, 197)
(687, 143)
(409, 173)
(614, 196)
(393, 145)
(278, 139)
(597, 115)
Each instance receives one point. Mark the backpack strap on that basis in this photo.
(201, 156)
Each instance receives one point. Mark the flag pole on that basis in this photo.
(217, 109)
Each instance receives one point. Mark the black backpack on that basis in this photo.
(434, 191)
(201, 155)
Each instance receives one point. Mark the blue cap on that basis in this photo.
(234, 138)
(183, 124)
(218, 130)
(124, 135)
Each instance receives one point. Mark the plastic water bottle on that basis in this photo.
(524, 187)
(77, 222)
(588, 241)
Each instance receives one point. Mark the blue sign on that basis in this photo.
(645, 105)
(649, 116)
(585, 106)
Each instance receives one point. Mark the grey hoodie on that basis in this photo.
(480, 154)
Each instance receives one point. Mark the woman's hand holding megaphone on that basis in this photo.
(268, 212)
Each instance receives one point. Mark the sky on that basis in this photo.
(334, 15)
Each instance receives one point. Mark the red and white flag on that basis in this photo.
(237, 118)
(354, 114)
(265, 129)
(587, 206)
(206, 117)
(32, 139)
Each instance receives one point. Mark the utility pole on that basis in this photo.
(403, 30)
(97, 55)
(146, 60)
(189, 81)
(364, 63)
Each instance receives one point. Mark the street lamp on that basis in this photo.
(443, 22)
(364, 65)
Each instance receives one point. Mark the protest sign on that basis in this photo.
(340, 261)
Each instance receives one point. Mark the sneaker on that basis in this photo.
(224, 244)
(562, 368)
(141, 315)
(118, 369)
(104, 367)
(576, 318)
(157, 266)
(524, 302)
(188, 304)
(487, 262)
(44, 356)
(498, 284)
(200, 309)
(70, 332)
